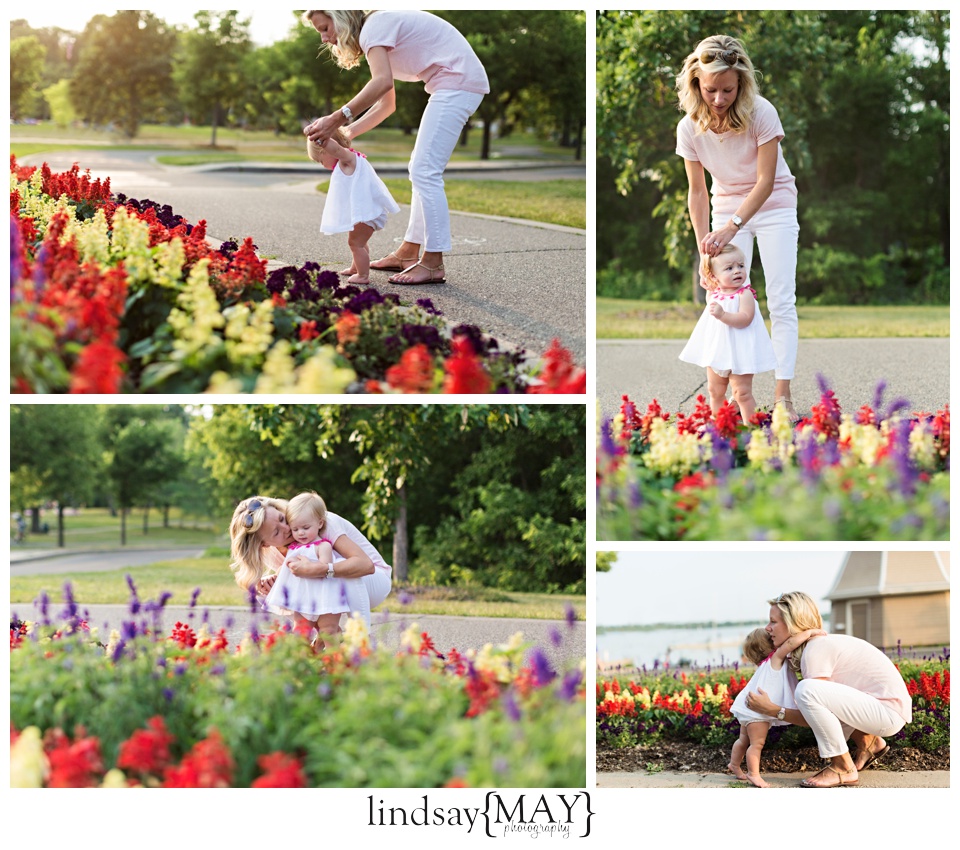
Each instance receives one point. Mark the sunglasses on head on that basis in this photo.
(253, 506)
(731, 57)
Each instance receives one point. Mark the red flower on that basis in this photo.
(147, 751)
(73, 765)
(465, 373)
(207, 765)
(280, 771)
(183, 635)
(348, 327)
(728, 419)
(414, 372)
(559, 373)
(482, 688)
(308, 331)
(98, 369)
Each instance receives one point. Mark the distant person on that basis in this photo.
(849, 690)
(734, 133)
(21, 528)
(357, 202)
(730, 339)
(409, 45)
(772, 675)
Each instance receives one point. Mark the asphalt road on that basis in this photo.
(915, 369)
(675, 779)
(523, 282)
(562, 644)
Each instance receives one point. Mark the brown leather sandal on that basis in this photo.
(436, 276)
(809, 783)
(393, 262)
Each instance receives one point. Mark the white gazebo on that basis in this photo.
(885, 597)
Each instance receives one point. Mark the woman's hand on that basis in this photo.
(323, 128)
(303, 567)
(716, 240)
(761, 703)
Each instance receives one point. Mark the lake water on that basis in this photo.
(714, 646)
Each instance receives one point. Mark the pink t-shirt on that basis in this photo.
(731, 159)
(427, 48)
(858, 664)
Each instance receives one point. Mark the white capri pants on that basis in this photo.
(777, 233)
(443, 120)
(834, 711)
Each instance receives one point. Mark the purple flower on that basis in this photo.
(571, 616)
(555, 637)
(541, 667)
(510, 706)
(570, 686)
(426, 305)
(194, 596)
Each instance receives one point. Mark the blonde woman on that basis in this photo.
(849, 689)
(734, 134)
(409, 45)
(260, 536)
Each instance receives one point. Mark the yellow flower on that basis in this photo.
(28, 764)
(410, 638)
(114, 778)
(355, 634)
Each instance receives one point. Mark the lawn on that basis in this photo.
(620, 318)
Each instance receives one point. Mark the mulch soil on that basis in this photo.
(685, 755)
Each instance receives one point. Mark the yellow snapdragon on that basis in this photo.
(674, 453)
(28, 764)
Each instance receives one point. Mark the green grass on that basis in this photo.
(213, 575)
(620, 318)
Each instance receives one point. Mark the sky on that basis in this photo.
(677, 587)
(267, 24)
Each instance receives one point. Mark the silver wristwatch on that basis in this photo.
(737, 221)
(345, 110)
(780, 714)
(332, 574)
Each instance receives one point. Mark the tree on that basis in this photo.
(54, 456)
(124, 69)
(26, 70)
(57, 97)
(605, 560)
(209, 65)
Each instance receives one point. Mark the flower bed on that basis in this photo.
(872, 475)
(112, 294)
(189, 710)
(138, 708)
(694, 706)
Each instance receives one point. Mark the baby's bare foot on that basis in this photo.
(757, 779)
(736, 770)
(351, 270)
(358, 279)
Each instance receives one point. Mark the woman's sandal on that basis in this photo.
(789, 408)
(436, 276)
(873, 757)
(809, 783)
(394, 263)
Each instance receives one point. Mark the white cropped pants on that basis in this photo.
(367, 592)
(834, 711)
(776, 232)
(443, 120)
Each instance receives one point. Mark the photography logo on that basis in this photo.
(502, 815)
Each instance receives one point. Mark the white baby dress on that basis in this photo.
(355, 198)
(309, 597)
(774, 682)
(740, 351)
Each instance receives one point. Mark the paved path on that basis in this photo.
(868, 779)
(24, 562)
(523, 282)
(916, 369)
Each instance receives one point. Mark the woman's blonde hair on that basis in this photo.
(347, 24)
(757, 645)
(800, 613)
(246, 547)
(706, 264)
(307, 503)
(722, 53)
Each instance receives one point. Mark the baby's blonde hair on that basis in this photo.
(246, 547)
(741, 110)
(347, 24)
(307, 503)
(314, 150)
(757, 645)
(800, 613)
(706, 264)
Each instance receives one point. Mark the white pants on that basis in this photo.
(443, 120)
(834, 711)
(367, 592)
(776, 232)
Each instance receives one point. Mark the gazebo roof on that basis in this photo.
(891, 574)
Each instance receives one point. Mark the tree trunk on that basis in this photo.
(123, 526)
(146, 519)
(35, 520)
(60, 542)
(166, 516)
(215, 121)
(487, 132)
(400, 538)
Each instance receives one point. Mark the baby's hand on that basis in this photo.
(716, 310)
